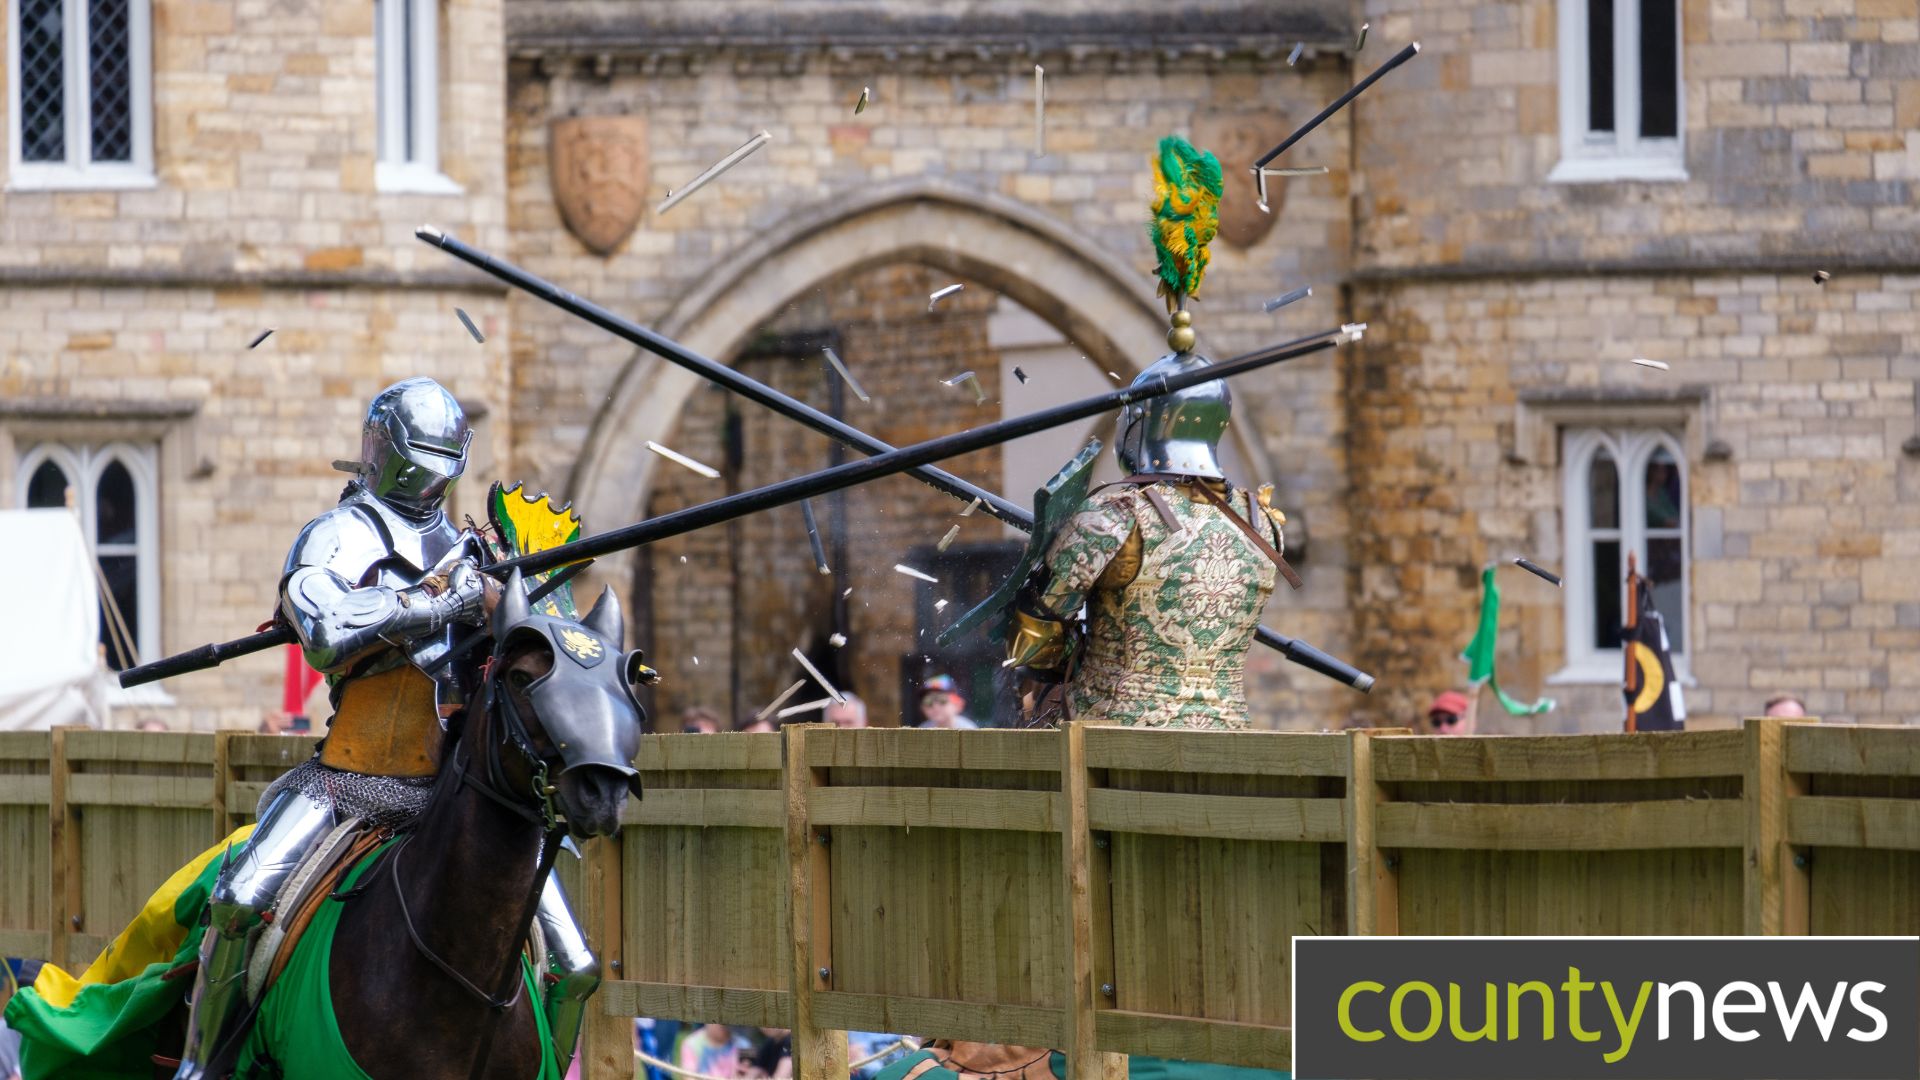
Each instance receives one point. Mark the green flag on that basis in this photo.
(1479, 654)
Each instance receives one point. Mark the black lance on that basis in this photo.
(672, 351)
(811, 485)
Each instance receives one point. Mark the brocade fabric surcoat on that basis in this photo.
(1171, 613)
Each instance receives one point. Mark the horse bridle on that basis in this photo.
(494, 787)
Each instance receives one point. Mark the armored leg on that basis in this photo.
(245, 889)
(572, 971)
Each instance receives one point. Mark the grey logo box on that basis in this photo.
(1325, 968)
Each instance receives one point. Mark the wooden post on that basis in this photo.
(222, 783)
(1083, 995)
(818, 1054)
(1778, 884)
(1373, 878)
(606, 1040)
(63, 851)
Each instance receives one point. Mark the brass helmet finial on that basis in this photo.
(1181, 337)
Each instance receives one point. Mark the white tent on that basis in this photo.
(50, 668)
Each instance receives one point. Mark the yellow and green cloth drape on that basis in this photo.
(101, 1025)
(104, 1024)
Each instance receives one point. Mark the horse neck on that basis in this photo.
(470, 867)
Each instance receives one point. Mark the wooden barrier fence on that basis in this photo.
(1103, 891)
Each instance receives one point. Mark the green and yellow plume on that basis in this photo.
(1186, 214)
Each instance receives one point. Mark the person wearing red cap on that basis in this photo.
(1450, 714)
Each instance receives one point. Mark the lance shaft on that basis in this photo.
(712, 370)
(753, 390)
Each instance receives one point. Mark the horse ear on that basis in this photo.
(513, 609)
(605, 619)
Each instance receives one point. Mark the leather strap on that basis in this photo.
(1160, 507)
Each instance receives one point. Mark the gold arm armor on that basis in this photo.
(1039, 643)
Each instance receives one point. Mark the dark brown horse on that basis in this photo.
(435, 928)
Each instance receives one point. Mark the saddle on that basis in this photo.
(311, 882)
(317, 877)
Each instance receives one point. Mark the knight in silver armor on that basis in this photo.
(374, 589)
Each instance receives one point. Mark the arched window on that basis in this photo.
(112, 487)
(1625, 494)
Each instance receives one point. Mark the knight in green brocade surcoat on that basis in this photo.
(1170, 611)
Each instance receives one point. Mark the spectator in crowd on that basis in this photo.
(710, 1050)
(1450, 714)
(851, 715)
(655, 1038)
(751, 722)
(1785, 705)
(700, 720)
(941, 704)
(773, 1060)
(152, 724)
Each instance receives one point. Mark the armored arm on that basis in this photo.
(1098, 545)
(338, 623)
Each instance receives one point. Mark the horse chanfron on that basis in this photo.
(570, 689)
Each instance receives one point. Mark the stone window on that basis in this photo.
(406, 38)
(1621, 93)
(1625, 493)
(113, 489)
(80, 103)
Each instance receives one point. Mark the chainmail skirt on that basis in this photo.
(383, 801)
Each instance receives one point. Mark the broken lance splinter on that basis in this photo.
(760, 393)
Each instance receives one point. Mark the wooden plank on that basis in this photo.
(25, 790)
(698, 1004)
(63, 849)
(606, 1039)
(147, 747)
(268, 751)
(1777, 890)
(1373, 884)
(1835, 821)
(1259, 753)
(819, 1044)
(243, 797)
(25, 944)
(1653, 825)
(1082, 997)
(1639, 756)
(1853, 751)
(700, 753)
(24, 745)
(222, 785)
(1184, 1038)
(85, 948)
(936, 808)
(748, 807)
(119, 789)
(1233, 817)
(895, 748)
(1014, 1025)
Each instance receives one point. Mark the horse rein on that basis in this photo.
(491, 788)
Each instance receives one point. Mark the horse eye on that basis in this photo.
(519, 680)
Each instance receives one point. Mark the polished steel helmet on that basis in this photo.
(414, 445)
(1178, 432)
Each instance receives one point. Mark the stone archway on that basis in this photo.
(996, 242)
